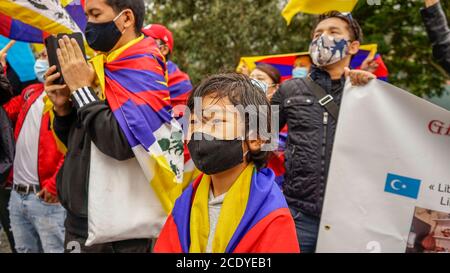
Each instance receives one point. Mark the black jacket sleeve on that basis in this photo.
(278, 100)
(6, 146)
(5, 88)
(439, 34)
(97, 119)
(63, 124)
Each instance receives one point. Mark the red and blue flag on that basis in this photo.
(265, 227)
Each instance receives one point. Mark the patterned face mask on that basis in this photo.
(327, 50)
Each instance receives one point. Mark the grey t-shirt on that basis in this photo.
(214, 207)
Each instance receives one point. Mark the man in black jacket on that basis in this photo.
(81, 123)
(6, 155)
(311, 127)
(438, 32)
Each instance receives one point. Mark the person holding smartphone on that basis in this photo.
(37, 217)
(100, 108)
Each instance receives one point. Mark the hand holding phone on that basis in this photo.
(52, 45)
(76, 71)
(59, 94)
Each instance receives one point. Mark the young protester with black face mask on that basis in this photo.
(105, 114)
(235, 206)
(312, 119)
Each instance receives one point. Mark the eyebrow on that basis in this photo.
(334, 28)
(329, 28)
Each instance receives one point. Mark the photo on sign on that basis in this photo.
(430, 232)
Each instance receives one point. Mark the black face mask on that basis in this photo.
(103, 36)
(215, 156)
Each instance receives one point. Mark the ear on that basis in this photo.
(353, 47)
(129, 19)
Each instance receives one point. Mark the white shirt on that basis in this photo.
(26, 158)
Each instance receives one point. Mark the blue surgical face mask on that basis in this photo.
(40, 68)
(300, 72)
(261, 85)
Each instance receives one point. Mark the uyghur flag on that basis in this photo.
(316, 7)
(32, 20)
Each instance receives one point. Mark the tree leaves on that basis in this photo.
(212, 35)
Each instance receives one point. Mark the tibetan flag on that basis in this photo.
(382, 72)
(276, 159)
(180, 85)
(133, 81)
(254, 218)
(285, 62)
(316, 7)
(32, 20)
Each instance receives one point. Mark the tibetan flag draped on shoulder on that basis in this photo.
(316, 7)
(134, 83)
(180, 85)
(32, 20)
(254, 218)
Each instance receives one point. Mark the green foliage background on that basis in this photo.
(212, 35)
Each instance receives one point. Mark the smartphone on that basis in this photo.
(51, 44)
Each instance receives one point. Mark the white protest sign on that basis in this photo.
(389, 182)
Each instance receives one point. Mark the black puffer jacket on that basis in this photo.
(6, 131)
(311, 133)
(439, 33)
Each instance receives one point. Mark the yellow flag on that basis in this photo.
(316, 7)
(66, 2)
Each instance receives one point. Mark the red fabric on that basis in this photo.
(159, 32)
(276, 163)
(179, 94)
(50, 159)
(265, 237)
(276, 159)
(5, 25)
(168, 241)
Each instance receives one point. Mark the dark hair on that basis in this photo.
(239, 89)
(137, 6)
(353, 26)
(271, 71)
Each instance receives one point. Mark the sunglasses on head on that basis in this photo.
(349, 17)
